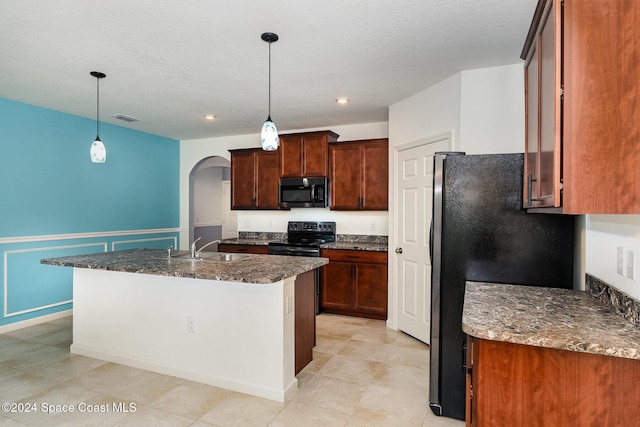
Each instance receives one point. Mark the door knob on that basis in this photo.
(398, 250)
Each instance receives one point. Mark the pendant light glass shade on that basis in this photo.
(98, 152)
(269, 135)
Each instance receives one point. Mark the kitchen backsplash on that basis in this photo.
(263, 235)
(360, 238)
(619, 302)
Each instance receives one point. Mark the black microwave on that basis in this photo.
(303, 193)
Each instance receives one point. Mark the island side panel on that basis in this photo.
(243, 336)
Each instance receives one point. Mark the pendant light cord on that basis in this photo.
(269, 115)
(98, 108)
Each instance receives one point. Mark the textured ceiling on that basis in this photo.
(170, 62)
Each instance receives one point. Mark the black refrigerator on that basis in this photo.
(480, 232)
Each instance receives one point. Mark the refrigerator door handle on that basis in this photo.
(431, 242)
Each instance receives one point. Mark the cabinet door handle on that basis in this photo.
(530, 181)
(398, 250)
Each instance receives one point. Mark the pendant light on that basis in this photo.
(269, 135)
(98, 152)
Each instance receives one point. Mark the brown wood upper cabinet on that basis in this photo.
(359, 174)
(254, 179)
(582, 128)
(305, 154)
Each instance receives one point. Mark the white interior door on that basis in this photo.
(229, 217)
(414, 187)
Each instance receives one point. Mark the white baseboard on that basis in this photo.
(229, 384)
(35, 321)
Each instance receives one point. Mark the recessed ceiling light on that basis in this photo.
(210, 116)
(342, 100)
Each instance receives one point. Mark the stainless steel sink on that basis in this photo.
(211, 256)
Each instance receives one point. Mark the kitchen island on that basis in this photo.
(226, 323)
(546, 356)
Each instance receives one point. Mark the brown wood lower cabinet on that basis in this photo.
(354, 283)
(243, 249)
(522, 385)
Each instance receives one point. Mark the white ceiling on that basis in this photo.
(170, 62)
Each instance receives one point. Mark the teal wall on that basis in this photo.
(55, 202)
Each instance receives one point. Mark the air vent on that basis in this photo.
(125, 118)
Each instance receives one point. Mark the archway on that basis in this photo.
(207, 209)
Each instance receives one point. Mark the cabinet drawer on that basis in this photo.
(354, 256)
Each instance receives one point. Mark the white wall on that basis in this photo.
(433, 111)
(604, 234)
(492, 110)
(207, 193)
(193, 151)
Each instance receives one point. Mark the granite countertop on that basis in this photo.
(547, 317)
(261, 269)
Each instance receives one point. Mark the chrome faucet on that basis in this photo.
(169, 249)
(193, 247)
(198, 253)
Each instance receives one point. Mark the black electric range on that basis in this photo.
(304, 239)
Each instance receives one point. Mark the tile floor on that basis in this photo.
(363, 374)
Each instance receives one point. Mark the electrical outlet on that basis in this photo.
(372, 227)
(620, 261)
(191, 325)
(630, 266)
(289, 304)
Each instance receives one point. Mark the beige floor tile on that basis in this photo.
(350, 368)
(46, 405)
(304, 377)
(15, 348)
(300, 414)
(43, 356)
(408, 356)
(405, 378)
(376, 335)
(98, 410)
(331, 393)
(67, 322)
(329, 344)
(7, 371)
(18, 387)
(145, 388)
(385, 405)
(34, 331)
(61, 338)
(243, 410)
(319, 360)
(7, 422)
(146, 416)
(366, 350)
(337, 319)
(406, 340)
(69, 368)
(363, 374)
(191, 399)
